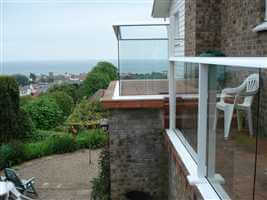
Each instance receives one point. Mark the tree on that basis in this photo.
(99, 78)
(22, 80)
(14, 123)
(106, 68)
(33, 77)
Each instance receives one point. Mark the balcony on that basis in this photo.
(142, 58)
(221, 166)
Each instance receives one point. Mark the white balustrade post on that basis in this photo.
(172, 96)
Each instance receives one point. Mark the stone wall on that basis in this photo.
(138, 158)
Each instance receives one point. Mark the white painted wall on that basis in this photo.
(177, 25)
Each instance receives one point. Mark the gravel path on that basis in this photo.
(62, 177)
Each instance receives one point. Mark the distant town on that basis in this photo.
(37, 84)
(34, 84)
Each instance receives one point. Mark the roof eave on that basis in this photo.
(160, 9)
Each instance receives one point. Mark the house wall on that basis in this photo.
(138, 161)
(202, 26)
(228, 26)
(178, 7)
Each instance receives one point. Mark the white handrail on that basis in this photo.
(246, 62)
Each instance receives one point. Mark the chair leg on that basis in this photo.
(239, 120)
(215, 119)
(228, 114)
(250, 122)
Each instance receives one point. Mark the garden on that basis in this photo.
(59, 121)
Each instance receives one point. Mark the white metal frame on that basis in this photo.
(263, 25)
(207, 64)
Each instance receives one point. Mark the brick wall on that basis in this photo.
(202, 26)
(138, 158)
(227, 26)
(179, 188)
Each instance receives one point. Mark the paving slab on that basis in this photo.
(63, 177)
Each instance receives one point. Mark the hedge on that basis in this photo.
(54, 143)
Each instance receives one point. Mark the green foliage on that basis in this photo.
(26, 125)
(101, 184)
(47, 143)
(33, 77)
(9, 108)
(45, 112)
(61, 144)
(22, 80)
(11, 154)
(73, 90)
(64, 101)
(92, 139)
(99, 78)
(26, 99)
(86, 113)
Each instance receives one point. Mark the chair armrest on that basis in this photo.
(29, 181)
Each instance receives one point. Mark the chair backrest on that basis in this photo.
(12, 176)
(251, 87)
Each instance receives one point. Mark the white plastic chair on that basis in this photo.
(247, 90)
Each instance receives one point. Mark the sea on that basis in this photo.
(83, 66)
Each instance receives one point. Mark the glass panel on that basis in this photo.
(143, 67)
(187, 104)
(261, 167)
(144, 32)
(231, 152)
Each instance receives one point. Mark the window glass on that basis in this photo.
(187, 104)
(231, 152)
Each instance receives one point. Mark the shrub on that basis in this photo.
(39, 135)
(61, 143)
(12, 154)
(45, 112)
(101, 184)
(92, 139)
(25, 100)
(36, 150)
(26, 125)
(73, 90)
(64, 101)
(9, 108)
(51, 143)
(86, 113)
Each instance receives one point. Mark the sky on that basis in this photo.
(66, 29)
